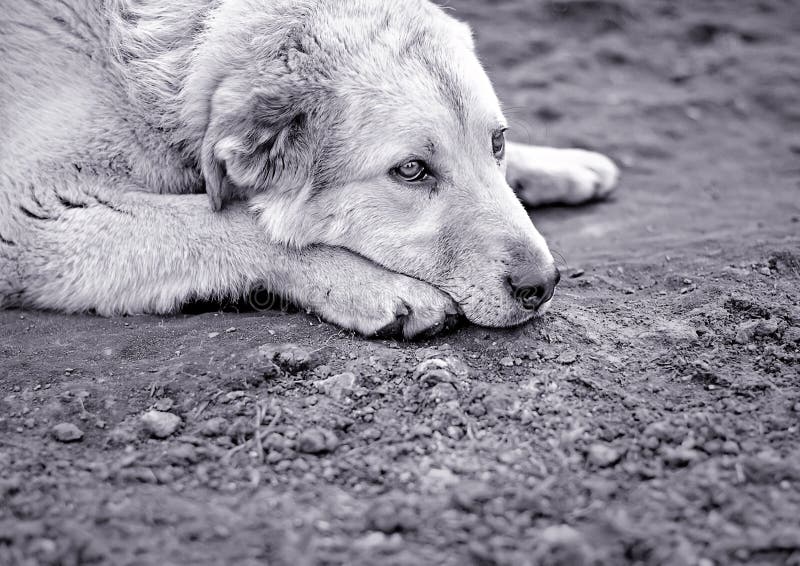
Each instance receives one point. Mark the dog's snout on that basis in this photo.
(534, 287)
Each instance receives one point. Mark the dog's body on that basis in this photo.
(301, 121)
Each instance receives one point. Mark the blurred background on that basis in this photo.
(699, 102)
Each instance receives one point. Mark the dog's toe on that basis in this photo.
(605, 173)
(429, 323)
(587, 176)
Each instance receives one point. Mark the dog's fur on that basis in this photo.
(290, 116)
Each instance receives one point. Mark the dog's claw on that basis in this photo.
(403, 309)
(410, 324)
(449, 322)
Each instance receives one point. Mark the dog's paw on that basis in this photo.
(563, 176)
(587, 174)
(392, 305)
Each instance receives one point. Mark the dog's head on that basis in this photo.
(372, 126)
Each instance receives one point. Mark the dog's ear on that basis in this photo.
(254, 143)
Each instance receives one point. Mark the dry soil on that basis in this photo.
(652, 418)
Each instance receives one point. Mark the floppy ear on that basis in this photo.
(254, 143)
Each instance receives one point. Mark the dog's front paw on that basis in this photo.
(391, 305)
(587, 175)
(562, 176)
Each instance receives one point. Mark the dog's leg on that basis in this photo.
(547, 175)
(118, 252)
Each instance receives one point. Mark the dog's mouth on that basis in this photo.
(493, 307)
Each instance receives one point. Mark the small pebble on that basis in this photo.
(562, 544)
(767, 327)
(160, 424)
(440, 477)
(506, 362)
(792, 335)
(164, 404)
(216, 426)
(389, 517)
(376, 539)
(317, 441)
(568, 357)
(455, 432)
(337, 386)
(181, 455)
(121, 436)
(730, 447)
(231, 396)
(680, 457)
(67, 432)
(371, 434)
(471, 495)
(433, 370)
(273, 457)
(443, 392)
(289, 357)
(275, 441)
(424, 431)
(603, 456)
(746, 332)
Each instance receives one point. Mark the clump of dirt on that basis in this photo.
(652, 418)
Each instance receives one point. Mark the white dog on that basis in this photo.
(351, 154)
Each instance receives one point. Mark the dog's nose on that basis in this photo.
(533, 287)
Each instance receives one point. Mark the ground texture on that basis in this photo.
(652, 418)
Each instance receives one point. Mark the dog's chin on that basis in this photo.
(506, 314)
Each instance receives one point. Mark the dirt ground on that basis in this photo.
(652, 418)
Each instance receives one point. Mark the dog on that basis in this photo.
(348, 155)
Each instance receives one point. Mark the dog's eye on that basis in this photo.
(499, 144)
(412, 171)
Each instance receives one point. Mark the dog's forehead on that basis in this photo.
(410, 43)
(424, 77)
